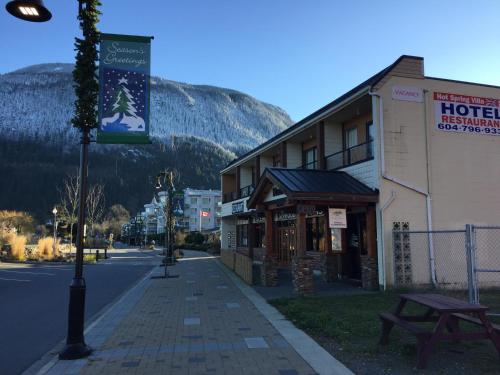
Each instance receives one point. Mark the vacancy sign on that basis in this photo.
(337, 218)
(467, 114)
(408, 93)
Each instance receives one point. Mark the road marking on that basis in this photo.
(26, 281)
(30, 273)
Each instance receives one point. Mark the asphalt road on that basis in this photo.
(34, 302)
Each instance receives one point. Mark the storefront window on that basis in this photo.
(259, 233)
(336, 234)
(242, 235)
(315, 233)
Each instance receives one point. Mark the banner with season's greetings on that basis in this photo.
(124, 85)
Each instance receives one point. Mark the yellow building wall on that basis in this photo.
(464, 169)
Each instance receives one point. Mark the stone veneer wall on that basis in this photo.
(369, 273)
(316, 260)
(302, 274)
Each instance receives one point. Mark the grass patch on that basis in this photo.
(349, 328)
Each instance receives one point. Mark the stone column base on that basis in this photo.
(329, 268)
(269, 271)
(302, 274)
(369, 273)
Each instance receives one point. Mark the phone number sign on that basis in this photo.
(467, 114)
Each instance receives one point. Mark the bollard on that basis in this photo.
(97, 255)
(105, 253)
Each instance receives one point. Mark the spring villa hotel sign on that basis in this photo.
(124, 89)
(467, 114)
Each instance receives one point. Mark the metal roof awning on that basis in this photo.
(309, 184)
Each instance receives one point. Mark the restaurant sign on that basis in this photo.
(467, 114)
(238, 207)
(337, 217)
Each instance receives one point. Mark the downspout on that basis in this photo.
(426, 194)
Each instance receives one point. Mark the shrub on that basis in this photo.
(17, 245)
(46, 248)
(194, 238)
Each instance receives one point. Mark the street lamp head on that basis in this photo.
(29, 10)
(54, 211)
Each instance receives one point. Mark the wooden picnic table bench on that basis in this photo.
(446, 312)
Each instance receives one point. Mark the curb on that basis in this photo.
(318, 358)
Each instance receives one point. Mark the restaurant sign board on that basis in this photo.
(467, 114)
(337, 217)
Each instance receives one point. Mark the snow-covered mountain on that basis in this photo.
(37, 102)
(38, 146)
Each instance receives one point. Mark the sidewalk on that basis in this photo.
(206, 321)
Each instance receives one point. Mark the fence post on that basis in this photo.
(471, 261)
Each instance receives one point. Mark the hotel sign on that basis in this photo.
(337, 218)
(467, 114)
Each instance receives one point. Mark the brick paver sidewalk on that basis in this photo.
(198, 323)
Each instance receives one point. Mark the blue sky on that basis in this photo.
(296, 54)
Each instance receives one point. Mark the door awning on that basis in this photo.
(311, 184)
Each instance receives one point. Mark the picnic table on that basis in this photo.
(447, 313)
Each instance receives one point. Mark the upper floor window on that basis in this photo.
(276, 161)
(309, 158)
(205, 200)
(194, 200)
(351, 137)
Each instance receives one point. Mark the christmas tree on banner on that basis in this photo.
(123, 112)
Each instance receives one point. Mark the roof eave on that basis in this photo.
(300, 126)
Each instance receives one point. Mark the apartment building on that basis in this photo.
(202, 209)
(401, 150)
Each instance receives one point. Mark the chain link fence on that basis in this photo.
(436, 258)
(459, 262)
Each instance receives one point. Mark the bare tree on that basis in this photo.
(69, 201)
(95, 205)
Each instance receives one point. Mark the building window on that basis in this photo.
(276, 161)
(259, 235)
(194, 200)
(242, 235)
(351, 137)
(205, 200)
(309, 158)
(315, 233)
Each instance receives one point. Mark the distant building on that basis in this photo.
(202, 209)
(193, 210)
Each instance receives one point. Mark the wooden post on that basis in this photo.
(238, 181)
(257, 169)
(371, 230)
(328, 233)
(320, 142)
(269, 233)
(300, 231)
(283, 155)
(251, 237)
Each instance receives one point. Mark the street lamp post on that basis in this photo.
(167, 178)
(86, 90)
(54, 211)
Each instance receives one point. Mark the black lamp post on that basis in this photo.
(168, 180)
(86, 88)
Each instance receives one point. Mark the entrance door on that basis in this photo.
(286, 244)
(356, 244)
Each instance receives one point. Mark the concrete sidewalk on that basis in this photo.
(206, 321)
